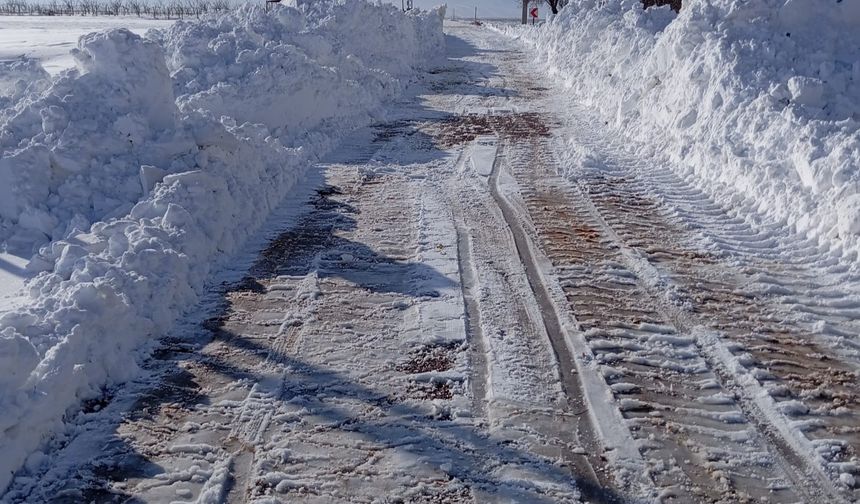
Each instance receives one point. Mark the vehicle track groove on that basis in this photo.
(711, 449)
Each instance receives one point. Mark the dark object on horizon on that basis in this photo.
(554, 6)
(674, 4)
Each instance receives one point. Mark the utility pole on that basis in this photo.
(476, 14)
(525, 11)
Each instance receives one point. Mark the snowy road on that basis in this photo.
(487, 299)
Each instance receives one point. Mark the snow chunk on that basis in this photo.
(806, 91)
(849, 215)
(17, 358)
(147, 89)
(20, 78)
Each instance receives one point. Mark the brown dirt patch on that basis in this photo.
(463, 129)
(428, 358)
(434, 390)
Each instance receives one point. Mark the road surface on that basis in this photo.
(490, 297)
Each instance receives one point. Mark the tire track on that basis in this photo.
(588, 467)
(701, 441)
(475, 337)
(651, 275)
(810, 388)
(786, 308)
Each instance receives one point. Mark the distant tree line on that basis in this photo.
(158, 9)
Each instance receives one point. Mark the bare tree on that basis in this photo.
(114, 7)
(169, 9)
(90, 7)
(15, 7)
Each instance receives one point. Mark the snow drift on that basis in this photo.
(757, 101)
(155, 158)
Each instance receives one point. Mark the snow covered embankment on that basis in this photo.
(757, 102)
(155, 159)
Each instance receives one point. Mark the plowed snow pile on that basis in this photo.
(154, 159)
(756, 101)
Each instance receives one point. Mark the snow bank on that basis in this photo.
(19, 78)
(756, 101)
(73, 154)
(154, 159)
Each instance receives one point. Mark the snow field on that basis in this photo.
(155, 159)
(754, 102)
(50, 39)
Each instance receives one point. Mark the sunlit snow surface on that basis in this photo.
(12, 276)
(50, 38)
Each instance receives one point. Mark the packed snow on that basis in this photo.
(137, 172)
(756, 102)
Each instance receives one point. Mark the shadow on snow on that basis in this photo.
(314, 245)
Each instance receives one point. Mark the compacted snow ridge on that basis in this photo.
(134, 173)
(330, 253)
